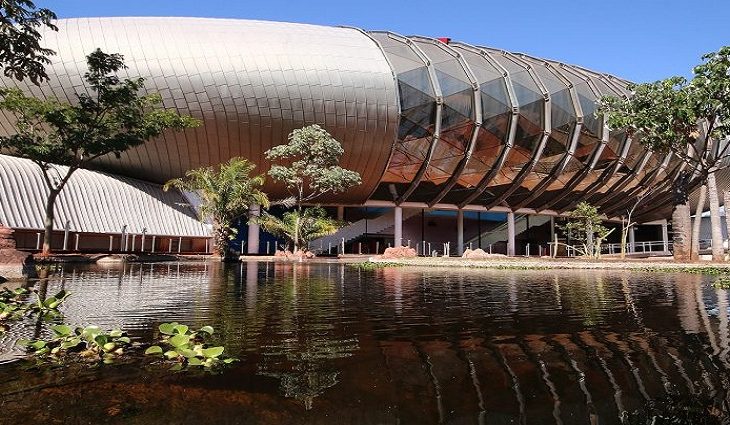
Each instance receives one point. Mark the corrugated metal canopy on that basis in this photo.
(94, 202)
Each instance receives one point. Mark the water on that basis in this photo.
(326, 343)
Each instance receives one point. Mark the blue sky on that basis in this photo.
(641, 40)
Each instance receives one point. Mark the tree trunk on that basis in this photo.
(718, 250)
(697, 224)
(681, 226)
(681, 220)
(221, 238)
(48, 222)
(726, 204)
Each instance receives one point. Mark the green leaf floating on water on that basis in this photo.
(207, 329)
(168, 328)
(195, 362)
(62, 330)
(178, 341)
(171, 354)
(155, 349)
(181, 329)
(190, 354)
(213, 351)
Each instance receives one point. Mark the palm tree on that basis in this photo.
(300, 227)
(226, 194)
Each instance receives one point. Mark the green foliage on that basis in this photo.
(584, 226)
(300, 228)
(185, 348)
(372, 265)
(111, 119)
(664, 115)
(88, 343)
(47, 308)
(722, 282)
(21, 55)
(311, 168)
(226, 193)
(14, 304)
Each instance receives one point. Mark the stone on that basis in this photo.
(399, 252)
(14, 264)
(297, 255)
(479, 254)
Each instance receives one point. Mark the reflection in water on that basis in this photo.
(326, 343)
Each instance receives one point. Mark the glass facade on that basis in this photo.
(485, 127)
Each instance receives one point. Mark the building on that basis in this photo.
(430, 124)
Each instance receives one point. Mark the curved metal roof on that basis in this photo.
(93, 202)
(250, 82)
(422, 120)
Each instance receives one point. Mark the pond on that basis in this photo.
(328, 343)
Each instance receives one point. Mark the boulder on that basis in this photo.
(399, 252)
(14, 264)
(479, 254)
(297, 255)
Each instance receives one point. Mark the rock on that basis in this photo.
(14, 264)
(399, 252)
(480, 254)
(297, 255)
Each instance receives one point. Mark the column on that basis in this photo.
(398, 234)
(460, 232)
(253, 230)
(665, 235)
(632, 239)
(341, 213)
(510, 234)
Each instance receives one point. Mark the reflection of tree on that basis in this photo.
(305, 338)
(587, 297)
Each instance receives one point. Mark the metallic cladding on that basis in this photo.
(421, 120)
(250, 82)
(93, 202)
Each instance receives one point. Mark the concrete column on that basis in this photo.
(253, 230)
(552, 229)
(632, 239)
(460, 232)
(341, 213)
(665, 235)
(510, 234)
(398, 233)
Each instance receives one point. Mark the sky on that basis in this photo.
(640, 40)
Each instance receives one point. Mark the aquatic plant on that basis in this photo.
(89, 343)
(186, 348)
(14, 304)
(47, 308)
(722, 282)
(371, 265)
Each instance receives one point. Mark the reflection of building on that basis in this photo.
(428, 123)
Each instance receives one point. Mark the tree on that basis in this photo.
(114, 118)
(226, 193)
(584, 226)
(691, 120)
(312, 156)
(21, 54)
(627, 224)
(300, 227)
